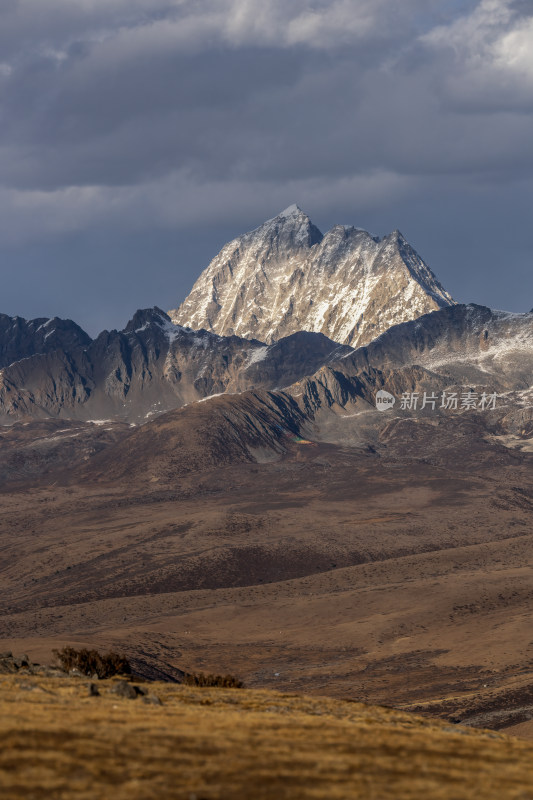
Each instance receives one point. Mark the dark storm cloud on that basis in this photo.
(141, 115)
(226, 89)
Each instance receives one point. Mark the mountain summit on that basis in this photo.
(285, 276)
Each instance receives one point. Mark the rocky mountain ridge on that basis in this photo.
(458, 349)
(21, 338)
(150, 367)
(154, 366)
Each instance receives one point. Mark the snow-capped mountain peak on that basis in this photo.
(285, 276)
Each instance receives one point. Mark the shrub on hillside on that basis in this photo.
(91, 662)
(223, 681)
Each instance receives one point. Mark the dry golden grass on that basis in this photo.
(58, 742)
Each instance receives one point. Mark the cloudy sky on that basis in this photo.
(137, 136)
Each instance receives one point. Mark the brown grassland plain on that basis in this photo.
(56, 741)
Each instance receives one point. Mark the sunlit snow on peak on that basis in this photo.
(290, 211)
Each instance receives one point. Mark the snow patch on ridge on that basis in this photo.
(257, 355)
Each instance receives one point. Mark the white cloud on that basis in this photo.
(492, 63)
(314, 24)
(514, 50)
(196, 24)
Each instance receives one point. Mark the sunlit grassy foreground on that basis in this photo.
(56, 741)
